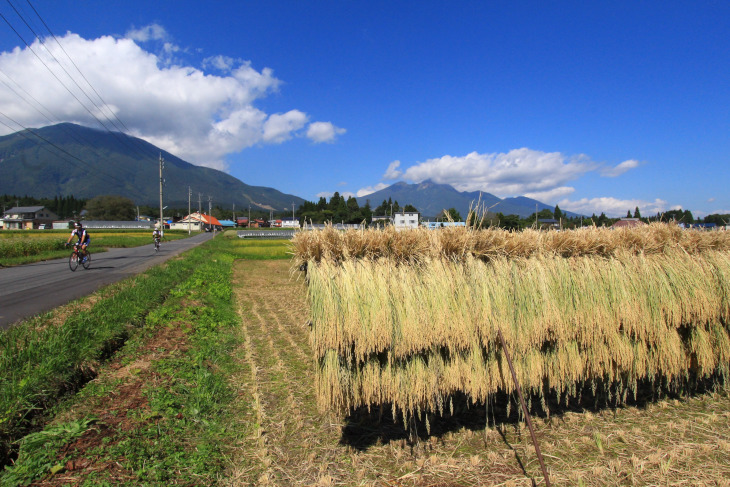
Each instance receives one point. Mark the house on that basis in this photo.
(28, 218)
(289, 222)
(406, 220)
(242, 221)
(628, 223)
(437, 225)
(227, 223)
(548, 224)
(197, 222)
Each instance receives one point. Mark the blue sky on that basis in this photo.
(592, 106)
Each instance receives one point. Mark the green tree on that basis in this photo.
(557, 213)
(110, 207)
(628, 214)
(637, 214)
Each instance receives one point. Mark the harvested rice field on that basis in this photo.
(290, 436)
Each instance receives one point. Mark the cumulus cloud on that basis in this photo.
(371, 189)
(392, 172)
(516, 172)
(195, 115)
(323, 132)
(221, 63)
(552, 194)
(279, 127)
(620, 168)
(613, 207)
(152, 32)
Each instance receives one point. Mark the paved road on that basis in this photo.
(31, 289)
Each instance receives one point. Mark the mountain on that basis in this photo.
(69, 159)
(431, 199)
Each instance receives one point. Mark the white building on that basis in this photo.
(290, 222)
(405, 220)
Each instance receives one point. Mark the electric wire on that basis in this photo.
(40, 40)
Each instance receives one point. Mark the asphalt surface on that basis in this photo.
(31, 289)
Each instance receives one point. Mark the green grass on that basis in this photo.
(180, 436)
(19, 247)
(39, 360)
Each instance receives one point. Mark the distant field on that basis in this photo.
(26, 246)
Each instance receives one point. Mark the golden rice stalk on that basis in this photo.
(415, 334)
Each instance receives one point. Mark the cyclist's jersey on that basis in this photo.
(83, 237)
(156, 234)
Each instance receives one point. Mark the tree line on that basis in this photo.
(337, 210)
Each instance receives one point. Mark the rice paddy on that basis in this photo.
(411, 318)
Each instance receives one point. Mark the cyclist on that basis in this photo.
(156, 236)
(83, 236)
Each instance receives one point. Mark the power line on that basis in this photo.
(26, 129)
(40, 40)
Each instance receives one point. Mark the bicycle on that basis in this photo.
(77, 257)
(157, 244)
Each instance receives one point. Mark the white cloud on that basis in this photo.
(323, 132)
(371, 189)
(221, 63)
(516, 172)
(620, 168)
(613, 207)
(710, 200)
(152, 32)
(392, 172)
(551, 195)
(197, 116)
(279, 127)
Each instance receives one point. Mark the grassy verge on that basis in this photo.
(40, 359)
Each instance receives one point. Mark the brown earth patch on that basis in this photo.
(119, 412)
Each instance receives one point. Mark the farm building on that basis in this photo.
(405, 220)
(28, 217)
(197, 222)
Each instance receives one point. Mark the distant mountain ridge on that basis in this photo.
(432, 198)
(87, 162)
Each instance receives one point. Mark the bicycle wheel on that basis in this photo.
(73, 261)
(157, 245)
(87, 262)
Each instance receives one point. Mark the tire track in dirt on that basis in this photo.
(297, 437)
(254, 443)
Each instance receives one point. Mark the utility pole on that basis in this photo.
(190, 194)
(199, 207)
(162, 164)
(249, 217)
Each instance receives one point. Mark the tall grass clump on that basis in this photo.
(411, 318)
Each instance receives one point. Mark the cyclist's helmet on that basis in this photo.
(77, 225)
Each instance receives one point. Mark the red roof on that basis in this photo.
(628, 223)
(210, 220)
